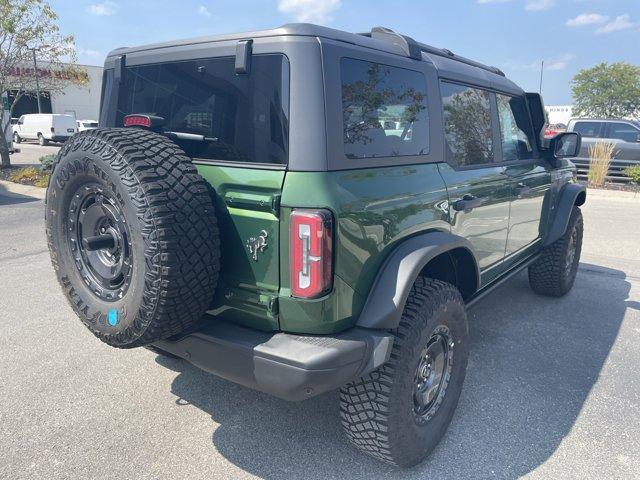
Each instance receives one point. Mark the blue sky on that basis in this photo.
(514, 35)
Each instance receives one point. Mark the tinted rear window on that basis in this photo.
(384, 110)
(588, 129)
(230, 117)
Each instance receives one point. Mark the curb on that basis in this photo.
(11, 189)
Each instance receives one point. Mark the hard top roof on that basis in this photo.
(378, 38)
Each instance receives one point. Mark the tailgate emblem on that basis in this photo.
(257, 244)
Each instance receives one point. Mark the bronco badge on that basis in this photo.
(257, 244)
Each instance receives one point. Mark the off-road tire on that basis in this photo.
(550, 275)
(16, 138)
(172, 232)
(377, 411)
(42, 141)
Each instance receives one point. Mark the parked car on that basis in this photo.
(86, 125)
(44, 127)
(554, 129)
(352, 250)
(624, 134)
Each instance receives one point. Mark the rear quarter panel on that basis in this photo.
(373, 210)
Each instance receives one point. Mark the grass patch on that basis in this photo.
(30, 176)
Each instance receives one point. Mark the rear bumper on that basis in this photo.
(292, 367)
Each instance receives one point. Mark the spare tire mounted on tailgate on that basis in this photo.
(133, 236)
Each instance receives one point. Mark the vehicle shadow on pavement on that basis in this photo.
(534, 361)
(11, 198)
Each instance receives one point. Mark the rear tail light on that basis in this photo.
(311, 239)
(139, 120)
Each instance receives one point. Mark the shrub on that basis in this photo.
(600, 156)
(30, 176)
(46, 162)
(633, 173)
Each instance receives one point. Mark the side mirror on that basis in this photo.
(565, 145)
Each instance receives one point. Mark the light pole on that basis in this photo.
(35, 73)
(541, 73)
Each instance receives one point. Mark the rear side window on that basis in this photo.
(588, 129)
(624, 132)
(467, 124)
(384, 110)
(225, 116)
(516, 132)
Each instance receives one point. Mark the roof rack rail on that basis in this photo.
(414, 49)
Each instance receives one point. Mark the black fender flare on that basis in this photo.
(388, 294)
(570, 195)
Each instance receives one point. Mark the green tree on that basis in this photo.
(26, 25)
(607, 91)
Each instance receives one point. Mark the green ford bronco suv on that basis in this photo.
(303, 209)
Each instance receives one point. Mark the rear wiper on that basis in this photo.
(189, 136)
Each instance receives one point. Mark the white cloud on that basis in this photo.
(621, 22)
(539, 5)
(587, 19)
(204, 11)
(103, 9)
(87, 52)
(558, 63)
(318, 11)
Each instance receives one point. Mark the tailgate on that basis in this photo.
(247, 206)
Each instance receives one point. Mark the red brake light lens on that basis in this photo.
(311, 239)
(137, 121)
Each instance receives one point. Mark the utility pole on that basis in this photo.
(35, 73)
(541, 73)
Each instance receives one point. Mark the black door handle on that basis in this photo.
(521, 189)
(467, 203)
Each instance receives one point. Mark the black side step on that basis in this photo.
(483, 292)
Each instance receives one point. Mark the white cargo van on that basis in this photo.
(44, 127)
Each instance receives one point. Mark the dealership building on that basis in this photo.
(83, 103)
(559, 114)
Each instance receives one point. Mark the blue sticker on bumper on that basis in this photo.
(112, 317)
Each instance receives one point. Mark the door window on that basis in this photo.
(624, 131)
(588, 129)
(384, 110)
(225, 116)
(515, 128)
(467, 124)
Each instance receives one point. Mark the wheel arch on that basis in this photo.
(440, 255)
(571, 195)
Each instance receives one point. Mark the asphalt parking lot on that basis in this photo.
(552, 390)
(30, 153)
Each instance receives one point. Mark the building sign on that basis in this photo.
(78, 75)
